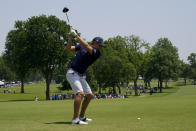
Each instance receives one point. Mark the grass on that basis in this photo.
(173, 110)
(31, 90)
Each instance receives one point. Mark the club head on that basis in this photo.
(65, 10)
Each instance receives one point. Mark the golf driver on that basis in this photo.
(65, 10)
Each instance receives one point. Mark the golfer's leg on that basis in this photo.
(76, 86)
(88, 97)
(77, 103)
(85, 104)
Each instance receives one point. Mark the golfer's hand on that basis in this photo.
(73, 32)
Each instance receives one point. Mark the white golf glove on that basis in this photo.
(73, 32)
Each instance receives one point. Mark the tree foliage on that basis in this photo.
(184, 71)
(114, 67)
(46, 37)
(192, 61)
(17, 52)
(138, 56)
(5, 72)
(165, 60)
(37, 43)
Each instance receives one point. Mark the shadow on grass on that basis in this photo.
(14, 100)
(68, 123)
(178, 84)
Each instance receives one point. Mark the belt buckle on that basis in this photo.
(80, 74)
(77, 72)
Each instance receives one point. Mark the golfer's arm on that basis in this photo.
(69, 46)
(85, 44)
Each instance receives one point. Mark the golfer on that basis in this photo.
(85, 56)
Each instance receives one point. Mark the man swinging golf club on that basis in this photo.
(85, 56)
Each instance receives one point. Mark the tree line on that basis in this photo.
(37, 46)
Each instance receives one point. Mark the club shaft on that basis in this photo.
(67, 18)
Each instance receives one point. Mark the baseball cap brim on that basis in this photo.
(102, 44)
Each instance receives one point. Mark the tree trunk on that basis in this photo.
(114, 90)
(126, 88)
(166, 83)
(119, 90)
(194, 81)
(136, 89)
(22, 86)
(161, 86)
(146, 83)
(99, 90)
(149, 83)
(48, 81)
(185, 81)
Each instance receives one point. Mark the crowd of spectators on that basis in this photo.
(9, 91)
(96, 96)
(9, 84)
(140, 89)
(62, 96)
(108, 96)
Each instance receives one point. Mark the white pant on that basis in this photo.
(78, 83)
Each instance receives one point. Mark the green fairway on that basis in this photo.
(174, 110)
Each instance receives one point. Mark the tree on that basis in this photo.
(90, 78)
(192, 61)
(184, 71)
(46, 37)
(5, 72)
(113, 68)
(37, 44)
(34, 76)
(164, 61)
(17, 52)
(111, 73)
(147, 69)
(103, 70)
(137, 56)
(60, 77)
(128, 72)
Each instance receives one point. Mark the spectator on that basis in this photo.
(36, 98)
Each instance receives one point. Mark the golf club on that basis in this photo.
(65, 10)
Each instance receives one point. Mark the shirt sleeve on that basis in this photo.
(77, 47)
(96, 53)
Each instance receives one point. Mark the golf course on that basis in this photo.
(98, 65)
(172, 110)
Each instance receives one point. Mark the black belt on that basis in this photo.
(77, 72)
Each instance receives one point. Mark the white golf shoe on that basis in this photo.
(78, 122)
(85, 119)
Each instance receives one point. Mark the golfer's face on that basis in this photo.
(97, 45)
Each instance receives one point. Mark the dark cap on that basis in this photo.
(99, 40)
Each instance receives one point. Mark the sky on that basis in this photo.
(148, 19)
